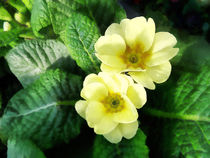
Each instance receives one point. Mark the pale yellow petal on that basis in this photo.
(128, 114)
(160, 73)
(114, 29)
(110, 45)
(94, 91)
(105, 125)
(146, 38)
(112, 61)
(107, 68)
(115, 136)
(162, 56)
(92, 78)
(132, 29)
(143, 78)
(116, 83)
(81, 107)
(137, 94)
(139, 31)
(163, 40)
(129, 130)
(95, 112)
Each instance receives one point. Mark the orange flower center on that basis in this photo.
(135, 57)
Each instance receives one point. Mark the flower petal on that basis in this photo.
(116, 83)
(147, 36)
(114, 29)
(112, 61)
(143, 78)
(163, 40)
(81, 107)
(129, 130)
(92, 78)
(160, 73)
(115, 136)
(128, 114)
(139, 31)
(107, 68)
(105, 125)
(137, 94)
(162, 56)
(94, 91)
(110, 45)
(132, 29)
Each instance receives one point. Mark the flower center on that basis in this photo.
(136, 57)
(113, 103)
(133, 58)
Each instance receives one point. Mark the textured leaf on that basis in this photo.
(32, 58)
(40, 17)
(40, 112)
(81, 36)
(103, 12)
(192, 50)
(134, 148)
(60, 11)
(183, 129)
(23, 149)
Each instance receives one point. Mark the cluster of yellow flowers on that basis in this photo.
(133, 57)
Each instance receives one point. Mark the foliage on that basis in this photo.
(50, 48)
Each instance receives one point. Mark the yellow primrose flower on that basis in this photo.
(133, 46)
(110, 103)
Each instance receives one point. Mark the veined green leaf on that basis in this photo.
(23, 149)
(133, 148)
(60, 11)
(80, 38)
(183, 129)
(32, 58)
(40, 16)
(103, 12)
(42, 112)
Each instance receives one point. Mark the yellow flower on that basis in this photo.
(110, 103)
(133, 46)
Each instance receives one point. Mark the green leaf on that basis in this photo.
(183, 129)
(28, 4)
(44, 111)
(7, 37)
(134, 148)
(18, 4)
(32, 58)
(4, 14)
(40, 17)
(60, 11)
(23, 149)
(80, 38)
(103, 12)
